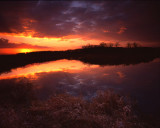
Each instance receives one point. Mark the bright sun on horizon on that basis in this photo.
(25, 50)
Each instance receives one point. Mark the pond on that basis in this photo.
(140, 81)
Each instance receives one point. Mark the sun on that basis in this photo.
(25, 50)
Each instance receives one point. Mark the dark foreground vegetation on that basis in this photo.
(20, 109)
(92, 54)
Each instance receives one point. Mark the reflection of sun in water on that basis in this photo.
(25, 50)
(35, 70)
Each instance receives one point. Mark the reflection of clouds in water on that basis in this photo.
(141, 80)
(106, 74)
(86, 81)
(52, 66)
(93, 82)
(120, 74)
(157, 60)
(89, 80)
(72, 83)
(63, 82)
(77, 81)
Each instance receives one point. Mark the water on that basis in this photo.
(140, 81)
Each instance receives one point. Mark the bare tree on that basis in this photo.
(129, 45)
(86, 46)
(110, 45)
(102, 44)
(117, 44)
(135, 45)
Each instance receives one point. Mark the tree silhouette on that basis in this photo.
(111, 45)
(129, 45)
(87, 46)
(135, 45)
(102, 44)
(117, 44)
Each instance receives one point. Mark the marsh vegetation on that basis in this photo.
(107, 109)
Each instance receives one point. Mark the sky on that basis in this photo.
(61, 25)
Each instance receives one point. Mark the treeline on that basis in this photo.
(111, 45)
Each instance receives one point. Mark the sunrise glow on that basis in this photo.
(55, 54)
(34, 27)
(25, 50)
(49, 43)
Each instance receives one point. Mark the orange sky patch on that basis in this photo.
(122, 30)
(17, 50)
(63, 43)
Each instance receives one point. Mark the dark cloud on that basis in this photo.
(4, 43)
(12, 14)
(119, 20)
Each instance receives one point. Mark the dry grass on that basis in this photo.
(106, 110)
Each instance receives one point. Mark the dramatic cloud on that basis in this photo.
(108, 20)
(4, 43)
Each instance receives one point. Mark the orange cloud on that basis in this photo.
(122, 30)
(120, 74)
(53, 43)
(106, 31)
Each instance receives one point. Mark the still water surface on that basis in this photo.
(140, 81)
